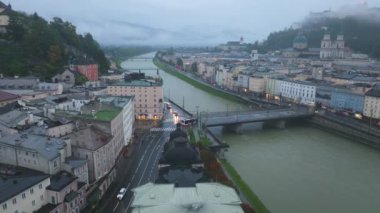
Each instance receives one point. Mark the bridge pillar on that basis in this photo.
(279, 124)
(235, 128)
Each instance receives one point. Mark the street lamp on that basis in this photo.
(198, 120)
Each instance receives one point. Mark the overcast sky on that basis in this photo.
(179, 22)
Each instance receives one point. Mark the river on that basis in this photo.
(297, 169)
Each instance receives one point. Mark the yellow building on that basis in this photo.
(148, 95)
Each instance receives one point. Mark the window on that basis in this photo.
(31, 191)
(23, 196)
(52, 199)
(4, 206)
(14, 201)
(40, 186)
(55, 164)
(33, 202)
(42, 197)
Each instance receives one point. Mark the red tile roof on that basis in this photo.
(5, 96)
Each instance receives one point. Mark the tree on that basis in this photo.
(194, 67)
(179, 62)
(35, 46)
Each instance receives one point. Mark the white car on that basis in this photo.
(121, 193)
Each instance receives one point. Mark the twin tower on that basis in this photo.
(332, 49)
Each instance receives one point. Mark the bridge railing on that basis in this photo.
(251, 116)
(242, 112)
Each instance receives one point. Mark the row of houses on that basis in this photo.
(309, 84)
(58, 154)
(366, 103)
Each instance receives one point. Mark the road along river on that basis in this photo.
(297, 169)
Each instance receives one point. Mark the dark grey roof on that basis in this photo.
(46, 208)
(182, 177)
(75, 162)
(11, 185)
(12, 118)
(178, 132)
(373, 93)
(10, 107)
(2, 5)
(47, 147)
(60, 180)
(179, 152)
(71, 196)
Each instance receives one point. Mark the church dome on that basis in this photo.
(300, 39)
(179, 151)
(300, 42)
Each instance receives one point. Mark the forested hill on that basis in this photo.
(34, 46)
(361, 30)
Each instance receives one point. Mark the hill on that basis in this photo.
(360, 27)
(34, 46)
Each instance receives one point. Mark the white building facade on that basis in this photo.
(298, 92)
(372, 104)
(128, 109)
(30, 198)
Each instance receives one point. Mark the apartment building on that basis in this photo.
(36, 152)
(299, 92)
(22, 190)
(127, 106)
(372, 103)
(65, 194)
(257, 84)
(148, 96)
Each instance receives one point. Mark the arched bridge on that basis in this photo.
(140, 58)
(234, 120)
(143, 68)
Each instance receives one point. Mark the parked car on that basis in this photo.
(121, 193)
(186, 122)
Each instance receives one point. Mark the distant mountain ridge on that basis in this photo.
(34, 46)
(359, 25)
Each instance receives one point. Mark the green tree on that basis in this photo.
(179, 62)
(194, 67)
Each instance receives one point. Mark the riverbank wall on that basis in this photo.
(201, 85)
(365, 136)
(180, 107)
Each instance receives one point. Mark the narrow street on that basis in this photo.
(140, 168)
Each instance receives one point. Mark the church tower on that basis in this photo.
(241, 40)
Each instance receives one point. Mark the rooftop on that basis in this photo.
(46, 208)
(106, 114)
(119, 101)
(204, 197)
(6, 96)
(12, 118)
(139, 83)
(75, 162)
(89, 138)
(47, 147)
(21, 180)
(373, 93)
(60, 181)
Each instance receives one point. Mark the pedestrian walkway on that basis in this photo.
(167, 129)
(196, 134)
